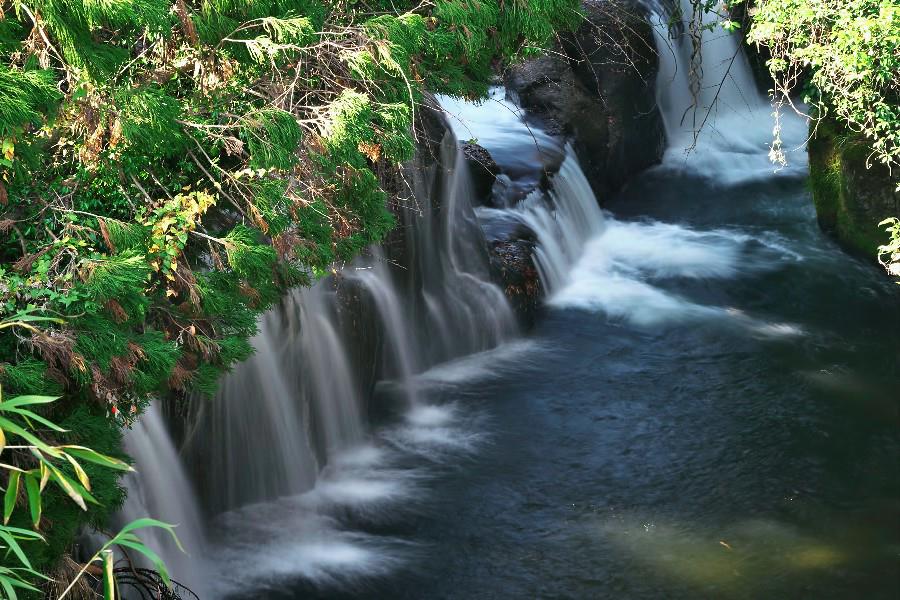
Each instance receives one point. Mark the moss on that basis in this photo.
(851, 197)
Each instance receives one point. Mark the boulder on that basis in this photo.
(851, 194)
(598, 89)
(483, 169)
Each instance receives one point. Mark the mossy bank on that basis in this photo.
(852, 194)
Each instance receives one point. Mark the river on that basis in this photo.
(707, 406)
(706, 409)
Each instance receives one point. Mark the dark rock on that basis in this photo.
(512, 261)
(599, 90)
(483, 169)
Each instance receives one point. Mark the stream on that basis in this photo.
(705, 408)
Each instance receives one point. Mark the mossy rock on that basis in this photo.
(851, 194)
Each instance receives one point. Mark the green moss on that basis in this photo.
(843, 186)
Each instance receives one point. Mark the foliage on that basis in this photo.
(846, 55)
(889, 254)
(850, 51)
(29, 467)
(169, 167)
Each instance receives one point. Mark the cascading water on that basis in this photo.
(717, 123)
(283, 453)
(161, 489)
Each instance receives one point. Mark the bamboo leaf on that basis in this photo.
(13, 545)
(8, 588)
(12, 493)
(34, 417)
(24, 533)
(34, 498)
(45, 474)
(29, 437)
(74, 490)
(27, 401)
(148, 522)
(79, 472)
(95, 457)
(154, 558)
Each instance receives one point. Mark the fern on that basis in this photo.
(25, 97)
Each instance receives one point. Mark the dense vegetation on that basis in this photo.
(844, 56)
(169, 168)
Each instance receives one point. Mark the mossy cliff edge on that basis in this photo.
(851, 194)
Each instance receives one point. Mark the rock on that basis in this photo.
(513, 264)
(598, 89)
(484, 171)
(850, 198)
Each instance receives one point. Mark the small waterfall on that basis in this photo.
(563, 223)
(285, 446)
(280, 415)
(379, 283)
(723, 130)
(160, 489)
(721, 74)
(449, 288)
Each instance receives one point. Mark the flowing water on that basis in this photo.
(706, 408)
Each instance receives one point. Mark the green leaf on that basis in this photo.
(29, 437)
(12, 493)
(27, 401)
(34, 417)
(74, 490)
(154, 558)
(13, 545)
(8, 588)
(95, 457)
(32, 486)
(148, 522)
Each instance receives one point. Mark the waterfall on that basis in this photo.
(723, 130)
(563, 222)
(160, 489)
(285, 446)
(721, 74)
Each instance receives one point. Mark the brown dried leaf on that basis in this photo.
(121, 367)
(104, 231)
(118, 313)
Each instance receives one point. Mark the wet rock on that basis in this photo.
(483, 169)
(851, 193)
(513, 264)
(598, 90)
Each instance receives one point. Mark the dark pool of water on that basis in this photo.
(686, 458)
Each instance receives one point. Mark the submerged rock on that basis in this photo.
(512, 261)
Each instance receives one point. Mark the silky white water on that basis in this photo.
(160, 489)
(725, 128)
(286, 464)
